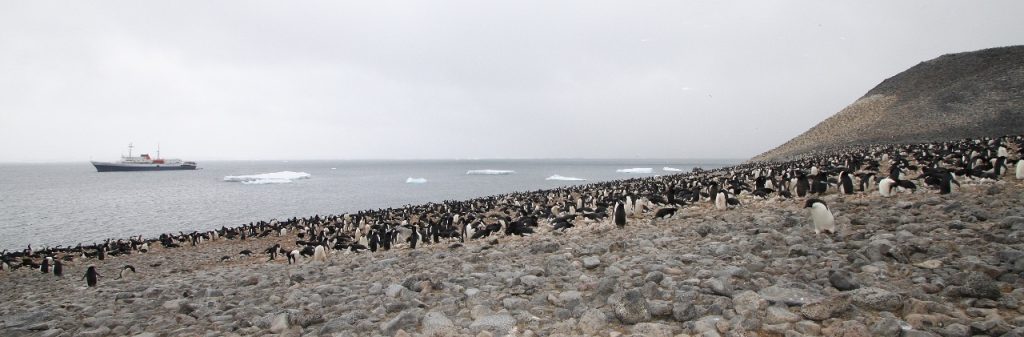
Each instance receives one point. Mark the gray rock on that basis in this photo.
(721, 286)
(958, 330)
(979, 285)
(918, 333)
(886, 327)
(570, 299)
(842, 280)
(339, 325)
(592, 322)
(826, 308)
(437, 323)
(280, 323)
(654, 276)
(790, 294)
(394, 290)
(98, 332)
(405, 320)
(591, 262)
(557, 265)
(498, 324)
(515, 303)
(780, 315)
(630, 307)
(749, 303)
(876, 299)
(652, 330)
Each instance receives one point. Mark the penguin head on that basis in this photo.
(810, 203)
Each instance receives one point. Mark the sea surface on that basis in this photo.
(66, 204)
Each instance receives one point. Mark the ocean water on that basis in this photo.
(67, 204)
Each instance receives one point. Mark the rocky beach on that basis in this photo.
(916, 264)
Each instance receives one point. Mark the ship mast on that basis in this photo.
(157, 150)
(130, 149)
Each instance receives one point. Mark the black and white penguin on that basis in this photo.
(90, 276)
(821, 216)
(293, 256)
(845, 183)
(58, 268)
(1020, 169)
(320, 253)
(414, 237)
(665, 212)
(619, 214)
(885, 187)
(721, 200)
(802, 185)
(45, 266)
(273, 251)
(125, 268)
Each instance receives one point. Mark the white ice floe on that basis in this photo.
(563, 178)
(670, 169)
(490, 172)
(412, 180)
(636, 170)
(282, 177)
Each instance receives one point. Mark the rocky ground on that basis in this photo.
(917, 264)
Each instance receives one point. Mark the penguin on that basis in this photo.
(946, 183)
(273, 251)
(619, 214)
(293, 256)
(885, 186)
(821, 216)
(1020, 169)
(802, 185)
(125, 268)
(58, 268)
(721, 200)
(666, 212)
(414, 237)
(90, 276)
(45, 266)
(319, 253)
(845, 183)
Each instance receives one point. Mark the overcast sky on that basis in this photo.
(455, 79)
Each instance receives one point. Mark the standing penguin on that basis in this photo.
(885, 186)
(845, 183)
(802, 185)
(619, 215)
(45, 266)
(721, 200)
(821, 216)
(58, 268)
(90, 276)
(946, 183)
(414, 237)
(1020, 169)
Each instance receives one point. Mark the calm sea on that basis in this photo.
(65, 204)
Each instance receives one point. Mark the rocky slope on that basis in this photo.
(918, 264)
(964, 95)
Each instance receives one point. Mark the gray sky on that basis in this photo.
(455, 79)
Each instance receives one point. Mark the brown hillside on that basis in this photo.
(972, 94)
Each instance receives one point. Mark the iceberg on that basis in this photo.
(670, 169)
(412, 180)
(635, 170)
(489, 172)
(282, 177)
(563, 178)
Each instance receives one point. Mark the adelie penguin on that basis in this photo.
(58, 268)
(90, 276)
(721, 200)
(124, 269)
(821, 216)
(1020, 169)
(619, 215)
(885, 187)
(45, 266)
(845, 183)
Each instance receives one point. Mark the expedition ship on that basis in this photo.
(144, 163)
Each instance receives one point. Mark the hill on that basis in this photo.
(963, 95)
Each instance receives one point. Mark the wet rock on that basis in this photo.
(630, 307)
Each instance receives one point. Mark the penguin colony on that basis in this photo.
(919, 168)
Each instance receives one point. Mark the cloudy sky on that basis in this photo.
(455, 79)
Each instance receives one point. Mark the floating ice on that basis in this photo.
(490, 172)
(412, 180)
(562, 178)
(282, 177)
(636, 170)
(670, 169)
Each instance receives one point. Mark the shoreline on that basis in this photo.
(755, 268)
